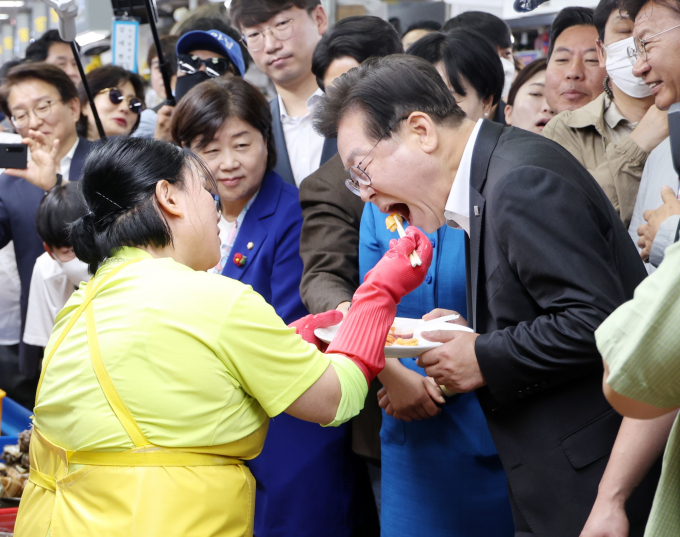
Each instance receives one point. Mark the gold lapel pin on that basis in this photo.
(250, 246)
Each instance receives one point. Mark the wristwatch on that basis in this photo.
(59, 179)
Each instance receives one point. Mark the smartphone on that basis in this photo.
(674, 131)
(13, 156)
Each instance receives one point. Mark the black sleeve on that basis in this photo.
(329, 242)
(558, 242)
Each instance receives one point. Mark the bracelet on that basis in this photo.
(59, 179)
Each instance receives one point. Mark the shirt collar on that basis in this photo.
(71, 152)
(311, 103)
(612, 115)
(457, 209)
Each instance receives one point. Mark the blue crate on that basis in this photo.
(15, 418)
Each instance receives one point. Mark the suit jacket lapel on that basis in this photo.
(330, 148)
(79, 156)
(488, 136)
(253, 230)
(282, 167)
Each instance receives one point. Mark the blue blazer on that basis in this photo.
(19, 201)
(273, 265)
(283, 168)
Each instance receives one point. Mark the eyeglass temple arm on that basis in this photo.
(162, 65)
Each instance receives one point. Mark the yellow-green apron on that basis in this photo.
(148, 491)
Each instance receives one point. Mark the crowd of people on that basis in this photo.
(186, 376)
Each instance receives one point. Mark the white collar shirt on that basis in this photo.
(65, 164)
(303, 143)
(457, 209)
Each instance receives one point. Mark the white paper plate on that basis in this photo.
(400, 351)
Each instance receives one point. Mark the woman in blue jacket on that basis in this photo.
(305, 473)
(440, 469)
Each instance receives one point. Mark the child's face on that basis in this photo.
(63, 254)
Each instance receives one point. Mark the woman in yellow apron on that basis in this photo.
(159, 379)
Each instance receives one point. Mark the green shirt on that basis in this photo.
(640, 342)
(199, 359)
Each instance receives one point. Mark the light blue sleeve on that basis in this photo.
(370, 250)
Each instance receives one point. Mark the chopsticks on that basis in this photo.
(415, 259)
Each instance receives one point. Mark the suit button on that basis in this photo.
(428, 279)
(434, 243)
(520, 394)
(528, 390)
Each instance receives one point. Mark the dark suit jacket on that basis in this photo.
(19, 201)
(330, 146)
(329, 244)
(273, 266)
(549, 260)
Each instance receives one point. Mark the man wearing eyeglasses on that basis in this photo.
(281, 37)
(43, 105)
(548, 259)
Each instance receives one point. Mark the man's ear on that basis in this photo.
(74, 107)
(601, 54)
(421, 126)
(168, 201)
(320, 18)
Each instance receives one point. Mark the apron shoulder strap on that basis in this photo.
(112, 396)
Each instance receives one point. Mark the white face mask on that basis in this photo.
(75, 270)
(509, 71)
(620, 70)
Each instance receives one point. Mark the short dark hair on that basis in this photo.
(387, 90)
(493, 29)
(465, 54)
(423, 25)
(568, 17)
(205, 24)
(602, 13)
(168, 44)
(60, 207)
(251, 12)
(357, 37)
(110, 76)
(208, 105)
(633, 7)
(525, 74)
(40, 48)
(45, 72)
(119, 189)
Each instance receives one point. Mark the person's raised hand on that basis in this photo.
(406, 395)
(651, 130)
(306, 326)
(41, 168)
(654, 219)
(454, 365)
(163, 122)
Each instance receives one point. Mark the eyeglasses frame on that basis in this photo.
(32, 111)
(640, 47)
(292, 27)
(129, 101)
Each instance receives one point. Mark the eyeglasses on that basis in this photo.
(116, 97)
(282, 30)
(640, 48)
(214, 67)
(358, 175)
(42, 110)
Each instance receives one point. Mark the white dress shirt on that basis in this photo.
(10, 292)
(65, 164)
(457, 210)
(304, 144)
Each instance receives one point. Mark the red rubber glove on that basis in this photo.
(306, 326)
(362, 335)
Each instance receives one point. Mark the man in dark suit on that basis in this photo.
(548, 261)
(44, 106)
